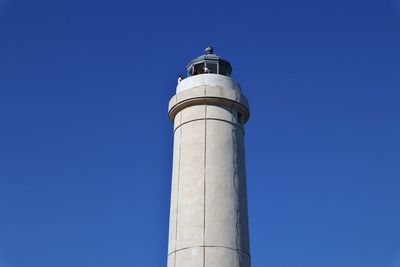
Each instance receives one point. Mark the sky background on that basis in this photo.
(86, 145)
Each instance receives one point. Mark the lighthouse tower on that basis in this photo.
(208, 217)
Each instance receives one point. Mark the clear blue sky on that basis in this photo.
(86, 146)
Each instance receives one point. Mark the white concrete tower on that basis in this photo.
(208, 217)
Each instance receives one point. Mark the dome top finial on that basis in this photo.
(209, 50)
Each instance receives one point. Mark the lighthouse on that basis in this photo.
(208, 224)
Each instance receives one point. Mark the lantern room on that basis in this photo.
(209, 63)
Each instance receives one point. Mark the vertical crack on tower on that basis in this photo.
(205, 177)
(235, 181)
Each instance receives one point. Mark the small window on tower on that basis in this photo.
(190, 72)
(198, 69)
(223, 70)
(212, 67)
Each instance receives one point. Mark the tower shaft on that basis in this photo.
(208, 214)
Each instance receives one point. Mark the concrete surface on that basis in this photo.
(208, 215)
